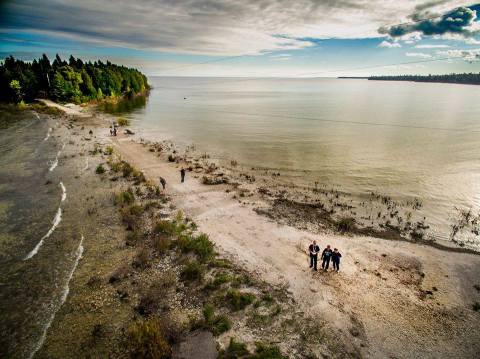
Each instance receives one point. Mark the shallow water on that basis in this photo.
(405, 140)
(37, 245)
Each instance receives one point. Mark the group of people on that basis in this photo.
(163, 182)
(327, 255)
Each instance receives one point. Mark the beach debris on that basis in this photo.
(128, 132)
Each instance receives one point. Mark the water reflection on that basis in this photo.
(124, 106)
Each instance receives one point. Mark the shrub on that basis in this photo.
(192, 271)
(476, 306)
(213, 180)
(146, 339)
(125, 197)
(161, 244)
(132, 238)
(116, 166)
(138, 176)
(109, 150)
(200, 245)
(100, 170)
(122, 121)
(165, 227)
(239, 300)
(263, 351)
(127, 169)
(346, 224)
(217, 324)
(234, 350)
(155, 297)
(142, 259)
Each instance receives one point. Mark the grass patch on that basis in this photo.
(146, 339)
(239, 300)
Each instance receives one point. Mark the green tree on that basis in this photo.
(17, 90)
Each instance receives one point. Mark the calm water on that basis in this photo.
(401, 139)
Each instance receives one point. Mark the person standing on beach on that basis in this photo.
(163, 182)
(336, 255)
(313, 250)
(326, 256)
(182, 174)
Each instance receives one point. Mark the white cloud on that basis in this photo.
(418, 54)
(389, 45)
(432, 46)
(467, 55)
(281, 57)
(211, 27)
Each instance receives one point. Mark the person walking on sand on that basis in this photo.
(326, 256)
(313, 249)
(336, 255)
(163, 182)
(182, 174)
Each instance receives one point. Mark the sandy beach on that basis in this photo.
(392, 298)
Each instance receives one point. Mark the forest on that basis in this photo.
(466, 78)
(73, 81)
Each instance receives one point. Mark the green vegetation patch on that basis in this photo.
(239, 300)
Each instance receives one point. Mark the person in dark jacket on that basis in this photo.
(182, 174)
(326, 256)
(163, 182)
(336, 255)
(313, 249)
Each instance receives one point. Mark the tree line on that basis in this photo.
(466, 78)
(73, 81)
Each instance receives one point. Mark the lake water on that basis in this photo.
(406, 140)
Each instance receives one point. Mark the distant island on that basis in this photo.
(73, 81)
(466, 78)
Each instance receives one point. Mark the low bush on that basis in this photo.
(239, 300)
(161, 244)
(192, 271)
(218, 324)
(124, 198)
(133, 237)
(234, 350)
(200, 245)
(142, 259)
(100, 170)
(155, 298)
(109, 150)
(264, 351)
(122, 121)
(146, 340)
(127, 169)
(346, 224)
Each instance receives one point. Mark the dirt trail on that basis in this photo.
(379, 301)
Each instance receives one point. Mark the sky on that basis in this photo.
(250, 38)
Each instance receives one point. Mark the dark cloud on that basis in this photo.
(457, 21)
